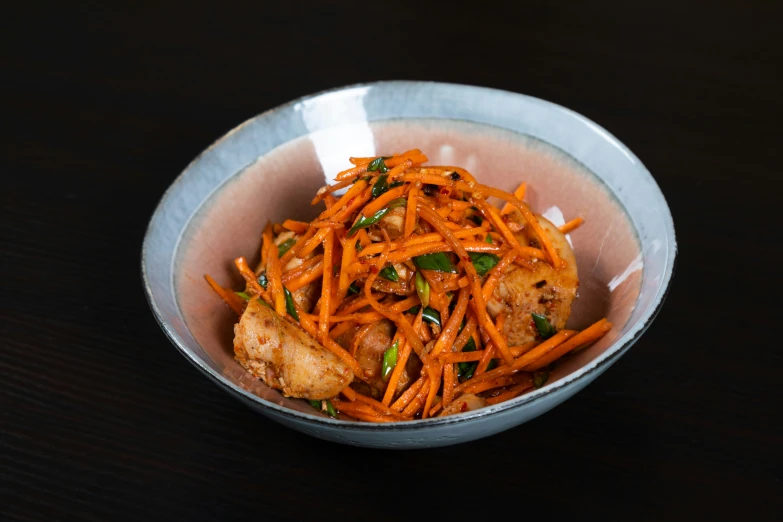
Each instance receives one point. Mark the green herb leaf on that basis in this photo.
(543, 326)
(359, 246)
(465, 369)
(413, 309)
(289, 304)
(353, 289)
(389, 360)
(396, 184)
(422, 289)
(364, 221)
(315, 404)
(540, 377)
(285, 246)
(243, 295)
(262, 280)
(438, 261)
(483, 262)
(488, 239)
(378, 165)
(380, 186)
(493, 363)
(431, 315)
(365, 178)
(330, 410)
(390, 273)
(399, 202)
(477, 219)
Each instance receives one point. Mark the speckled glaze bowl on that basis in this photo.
(270, 166)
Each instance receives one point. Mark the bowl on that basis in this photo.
(270, 166)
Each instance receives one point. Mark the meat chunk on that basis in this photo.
(369, 355)
(543, 290)
(463, 403)
(286, 357)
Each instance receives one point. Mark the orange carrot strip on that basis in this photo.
(340, 329)
(354, 205)
(489, 352)
(465, 334)
(409, 394)
(236, 303)
(346, 198)
(414, 158)
(383, 200)
(275, 281)
(298, 227)
(298, 270)
(571, 225)
(348, 393)
(402, 359)
(410, 211)
(418, 401)
(380, 407)
(497, 382)
(327, 190)
(248, 275)
(314, 242)
(340, 352)
(268, 240)
(516, 351)
(451, 328)
(398, 169)
(448, 384)
(300, 243)
(326, 287)
(511, 393)
(519, 193)
(352, 172)
(588, 335)
(434, 386)
(459, 357)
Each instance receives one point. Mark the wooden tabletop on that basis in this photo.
(101, 418)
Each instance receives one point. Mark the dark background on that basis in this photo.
(101, 417)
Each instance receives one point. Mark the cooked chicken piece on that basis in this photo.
(463, 403)
(543, 290)
(286, 357)
(369, 355)
(394, 222)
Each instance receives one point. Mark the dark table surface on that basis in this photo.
(101, 418)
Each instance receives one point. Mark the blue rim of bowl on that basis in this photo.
(608, 357)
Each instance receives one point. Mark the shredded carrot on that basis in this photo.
(326, 288)
(448, 384)
(402, 402)
(236, 303)
(327, 190)
(462, 356)
(383, 200)
(519, 193)
(588, 335)
(571, 225)
(511, 392)
(340, 329)
(297, 227)
(454, 218)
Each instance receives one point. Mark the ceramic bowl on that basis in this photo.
(270, 166)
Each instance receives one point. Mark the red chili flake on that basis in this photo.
(464, 407)
(374, 269)
(445, 191)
